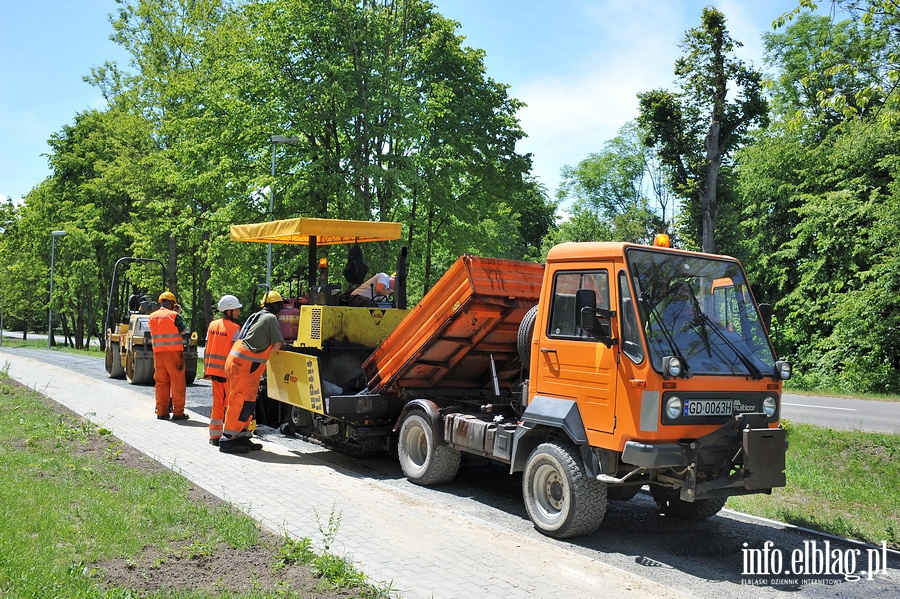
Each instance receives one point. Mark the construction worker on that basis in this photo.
(244, 368)
(380, 286)
(220, 336)
(166, 328)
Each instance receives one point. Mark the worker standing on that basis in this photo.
(244, 368)
(220, 336)
(166, 329)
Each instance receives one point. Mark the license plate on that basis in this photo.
(708, 407)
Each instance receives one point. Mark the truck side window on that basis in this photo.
(563, 320)
(631, 335)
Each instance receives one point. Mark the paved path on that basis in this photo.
(422, 548)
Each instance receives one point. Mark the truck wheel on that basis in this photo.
(671, 504)
(421, 461)
(561, 500)
(526, 332)
(114, 361)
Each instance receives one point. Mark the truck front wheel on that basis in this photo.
(561, 499)
(422, 462)
(672, 505)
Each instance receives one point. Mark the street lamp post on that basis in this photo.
(53, 236)
(276, 141)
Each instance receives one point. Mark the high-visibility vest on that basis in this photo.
(219, 338)
(164, 333)
(239, 351)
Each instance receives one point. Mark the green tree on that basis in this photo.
(697, 128)
(860, 62)
(616, 186)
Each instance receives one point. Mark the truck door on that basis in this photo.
(573, 364)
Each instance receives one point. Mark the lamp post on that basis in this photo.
(276, 141)
(53, 236)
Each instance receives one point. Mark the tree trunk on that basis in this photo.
(708, 202)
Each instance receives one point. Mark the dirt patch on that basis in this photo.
(179, 569)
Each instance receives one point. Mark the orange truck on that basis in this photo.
(612, 367)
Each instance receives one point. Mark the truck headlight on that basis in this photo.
(769, 406)
(673, 407)
(783, 370)
(672, 367)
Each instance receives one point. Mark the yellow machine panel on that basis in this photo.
(366, 327)
(293, 378)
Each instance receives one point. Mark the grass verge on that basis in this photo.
(87, 516)
(845, 483)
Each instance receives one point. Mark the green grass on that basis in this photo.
(69, 502)
(845, 483)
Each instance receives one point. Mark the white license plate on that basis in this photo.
(708, 407)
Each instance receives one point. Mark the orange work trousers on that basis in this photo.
(242, 378)
(217, 416)
(170, 382)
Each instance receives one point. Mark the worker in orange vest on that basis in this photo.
(220, 336)
(244, 368)
(166, 329)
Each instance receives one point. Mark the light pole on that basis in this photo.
(276, 141)
(53, 236)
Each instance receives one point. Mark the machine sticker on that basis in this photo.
(315, 394)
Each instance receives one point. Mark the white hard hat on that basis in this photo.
(229, 302)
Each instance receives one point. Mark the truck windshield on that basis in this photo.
(700, 310)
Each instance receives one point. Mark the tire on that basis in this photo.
(138, 371)
(299, 421)
(669, 502)
(114, 368)
(561, 500)
(190, 370)
(422, 462)
(526, 332)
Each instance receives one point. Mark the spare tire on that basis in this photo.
(526, 332)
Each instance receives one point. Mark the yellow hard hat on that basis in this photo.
(167, 295)
(271, 297)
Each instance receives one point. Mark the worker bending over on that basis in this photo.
(244, 368)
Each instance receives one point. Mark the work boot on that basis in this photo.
(247, 442)
(162, 416)
(232, 446)
(180, 416)
(214, 441)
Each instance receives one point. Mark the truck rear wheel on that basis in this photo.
(114, 361)
(561, 500)
(671, 504)
(422, 462)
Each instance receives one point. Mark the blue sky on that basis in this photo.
(577, 64)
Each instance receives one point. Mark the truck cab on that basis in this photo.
(656, 365)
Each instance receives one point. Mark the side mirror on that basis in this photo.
(766, 311)
(594, 322)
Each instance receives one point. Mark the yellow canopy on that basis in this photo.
(326, 231)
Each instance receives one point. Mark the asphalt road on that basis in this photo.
(708, 559)
(842, 413)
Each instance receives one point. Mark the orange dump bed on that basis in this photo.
(472, 313)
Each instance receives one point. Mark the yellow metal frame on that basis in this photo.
(300, 385)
